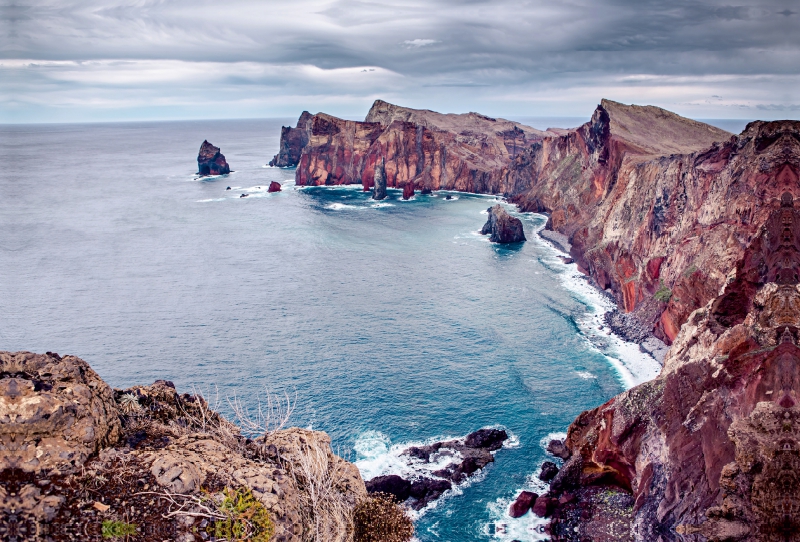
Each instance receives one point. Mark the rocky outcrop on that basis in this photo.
(461, 458)
(522, 504)
(210, 161)
(502, 227)
(408, 191)
(75, 453)
(709, 449)
(293, 141)
(379, 182)
(274, 187)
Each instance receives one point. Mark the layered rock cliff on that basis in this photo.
(710, 449)
(80, 461)
(293, 141)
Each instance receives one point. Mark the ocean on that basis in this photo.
(391, 323)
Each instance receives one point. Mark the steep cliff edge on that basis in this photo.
(708, 450)
(293, 141)
(79, 460)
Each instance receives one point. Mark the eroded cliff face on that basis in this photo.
(293, 141)
(709, 450)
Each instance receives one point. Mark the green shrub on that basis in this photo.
(246, 518)
(117, 529)
(663, 294)
(378, 519)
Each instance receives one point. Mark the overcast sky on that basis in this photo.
(93, 60)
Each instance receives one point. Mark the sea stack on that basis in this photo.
(210, 161)
(293, 141)
(408, 190)
(379, 189)
(503, 227)
(274, 187)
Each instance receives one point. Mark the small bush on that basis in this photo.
(663, 294)
(246, 518)
(379, 519)
(117, 529)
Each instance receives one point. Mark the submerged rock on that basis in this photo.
(503, 227)
(379, 186)
(210, 161)
(274, 187)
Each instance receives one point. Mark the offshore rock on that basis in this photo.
(522, 504)
(408, 191)
(379, 182)
(74, 453)
(709, 449)
(210, 161)
(502, 227)
(274, 187)
(293, 141)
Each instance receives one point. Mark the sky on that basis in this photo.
(90, 60)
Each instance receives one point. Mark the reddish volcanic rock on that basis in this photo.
(408, 190)
(709, 449)
(210, 161)
(274, 187)
(523, 503)
(293, 141)
(503, 227)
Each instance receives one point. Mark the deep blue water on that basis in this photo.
(393, 324)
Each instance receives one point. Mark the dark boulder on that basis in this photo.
(503, 227)
(379, 188)
(427, 490)
(523, 503)
(448, 196)
(293, 141)
(210, 161)
(425, 191)
(274, 187)
(228, 188)
(244, 195)
(548, 472)
(558, 449)
(491, 439)
(391, 484)
(408, 190)
(544, 505)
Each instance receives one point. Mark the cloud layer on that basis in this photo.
(92, 60)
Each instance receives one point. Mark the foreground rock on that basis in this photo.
(210, 161)
(502, 227)
(293, 141)
(709, 449)
(466, 458)
(75, 453)
(522, 504)
(274, 187)
(408, 191)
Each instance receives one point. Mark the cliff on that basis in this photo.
(293, 141)
(79, 460)
(210, 161)
(425, 149)
(709, 449)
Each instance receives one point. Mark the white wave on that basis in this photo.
(210, 199)
(341, 206)
(377, 456)
(528, 528)
(381, 205)
(632, 365)
(586, 375)
(545, 440)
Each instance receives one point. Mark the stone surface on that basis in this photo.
(408, 190)
(210, 161)
(558, 449)
(274, 187)
(548, 471)
(502, 227)
(522, 504)
(293, 141)
(379, 182)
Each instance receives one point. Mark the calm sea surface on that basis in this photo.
(394, 323)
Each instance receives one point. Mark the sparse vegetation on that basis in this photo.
(378, 519)
(244, 518)
(117, 529)
(690, 271)
(663, 293)
(129, 403)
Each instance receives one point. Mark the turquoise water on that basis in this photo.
(393, 323)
